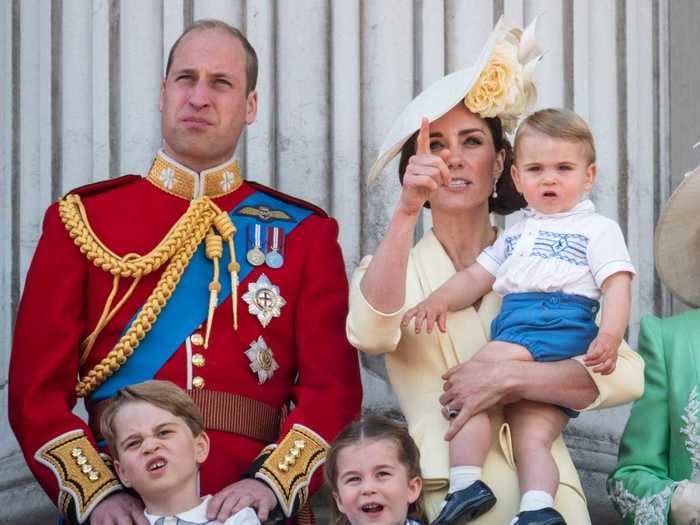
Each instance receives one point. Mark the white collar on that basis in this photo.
(196, 515)
(585, 206)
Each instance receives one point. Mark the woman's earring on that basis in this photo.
(494, 195)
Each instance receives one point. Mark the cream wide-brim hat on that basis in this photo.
(677, 241)
(441, 96)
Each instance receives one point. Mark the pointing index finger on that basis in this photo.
(423, 140)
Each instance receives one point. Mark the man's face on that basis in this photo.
(203, 101)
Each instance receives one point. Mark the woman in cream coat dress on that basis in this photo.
(460, 173)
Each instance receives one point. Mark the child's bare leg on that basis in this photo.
(471, 444)
(468, 497)
(534, 428)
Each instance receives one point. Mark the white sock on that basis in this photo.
(536, 500)
(463, 476)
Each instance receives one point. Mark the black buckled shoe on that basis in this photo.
(466, 504)
(546, 516)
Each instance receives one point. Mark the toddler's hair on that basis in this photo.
(557, 123)
(162, 394)
(375, 428)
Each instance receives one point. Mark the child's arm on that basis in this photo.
(602, 352)
(461, 290)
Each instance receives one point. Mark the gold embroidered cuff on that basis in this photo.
(291, 464)
(82, 474)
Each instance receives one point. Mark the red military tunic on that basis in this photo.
(63, 300)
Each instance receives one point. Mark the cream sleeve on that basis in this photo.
(624, 385)
(367, 329)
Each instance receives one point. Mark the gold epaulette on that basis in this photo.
(83, 476)
(176, 248)
(288, 469)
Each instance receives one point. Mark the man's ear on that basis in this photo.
(201, 447)
(162, 94)
(251, 107)
(121, 472)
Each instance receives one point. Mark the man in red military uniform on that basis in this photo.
(190, 274)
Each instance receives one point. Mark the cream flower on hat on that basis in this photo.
(500, 84)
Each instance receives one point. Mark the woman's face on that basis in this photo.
(465, 143)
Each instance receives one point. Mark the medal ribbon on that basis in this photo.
(187, 308)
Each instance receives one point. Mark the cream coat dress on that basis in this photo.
(415, 364)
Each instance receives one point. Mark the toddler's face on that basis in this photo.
(552, 174)
(373, 486)
(158, 454)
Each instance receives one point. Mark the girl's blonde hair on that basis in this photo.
(557, 123)
(374, 428)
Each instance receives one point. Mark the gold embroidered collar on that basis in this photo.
(176, 179)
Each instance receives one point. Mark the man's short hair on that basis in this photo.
(162, 394)
(251, 57)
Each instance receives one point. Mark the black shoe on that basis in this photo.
(466, 504)
(546, 516)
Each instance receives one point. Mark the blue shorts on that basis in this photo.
(552, 326)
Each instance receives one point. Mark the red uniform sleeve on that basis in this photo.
(328, 393)
(57, 445)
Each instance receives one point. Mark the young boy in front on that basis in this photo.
(157, 440)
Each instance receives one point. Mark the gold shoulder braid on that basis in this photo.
(176, 248)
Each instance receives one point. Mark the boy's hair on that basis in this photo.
(162, 394)
(557, 123)
(374, 428)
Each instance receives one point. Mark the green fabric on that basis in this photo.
(656, 450)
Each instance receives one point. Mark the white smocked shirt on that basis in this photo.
(571, 252)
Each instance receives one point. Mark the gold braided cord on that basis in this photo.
(227, 229)
(74, 217)
(213, 248)
(181, 242)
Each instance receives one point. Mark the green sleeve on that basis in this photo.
(640, 487)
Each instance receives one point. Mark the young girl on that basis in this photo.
(552, 269)
(373, 469)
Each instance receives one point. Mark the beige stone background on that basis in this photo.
(78, 103)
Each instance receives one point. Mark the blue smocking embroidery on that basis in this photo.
(569, 247)
(510, 244)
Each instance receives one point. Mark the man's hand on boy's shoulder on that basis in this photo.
(119, 509)
(237, 496)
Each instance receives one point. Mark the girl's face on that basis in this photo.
(464, 142)
(373, 487)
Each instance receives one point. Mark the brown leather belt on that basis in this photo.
(221, 411)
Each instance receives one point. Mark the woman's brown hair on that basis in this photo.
(373, 428)
(508, 200)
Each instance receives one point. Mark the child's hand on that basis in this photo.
(602, 353)
(430, 311)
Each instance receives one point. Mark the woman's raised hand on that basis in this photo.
(424, 173)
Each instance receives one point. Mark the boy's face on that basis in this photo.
(552, 174)
(158, 456)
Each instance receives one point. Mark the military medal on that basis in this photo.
(255, 255)
(275, 239)
(262, 362)
(264, 300)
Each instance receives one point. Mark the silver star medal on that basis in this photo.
(264, 300)
(262, 362)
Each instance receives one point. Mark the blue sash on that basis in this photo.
(188, 305)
